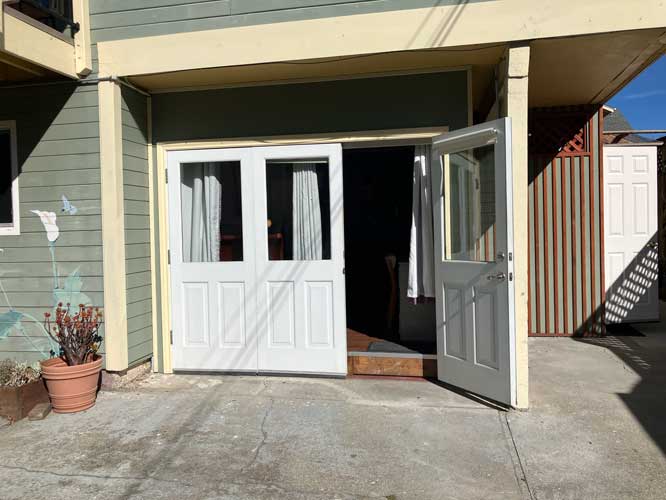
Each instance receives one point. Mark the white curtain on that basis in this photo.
(421, 249)
(306, 213)
(201, 209)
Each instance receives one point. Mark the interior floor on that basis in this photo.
(378, 216)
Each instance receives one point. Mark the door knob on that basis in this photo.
(496, 277)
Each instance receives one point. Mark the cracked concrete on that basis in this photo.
(595, 430)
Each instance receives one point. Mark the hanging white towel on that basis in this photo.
(306, 213)
(422, 245)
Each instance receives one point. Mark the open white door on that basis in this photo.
(472, 200)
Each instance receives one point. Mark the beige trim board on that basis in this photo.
(25, 41)
(82, 50)
(444, 26)
(514, 72)
(113, 226)
(162, 149)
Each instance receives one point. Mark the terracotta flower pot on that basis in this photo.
(71, 388)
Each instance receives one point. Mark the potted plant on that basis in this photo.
(21, 388)
(72, 378)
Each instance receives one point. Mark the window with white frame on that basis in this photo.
(9, 203)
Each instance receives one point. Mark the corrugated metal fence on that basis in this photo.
(565, 219)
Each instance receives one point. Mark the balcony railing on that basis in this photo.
(56, 14)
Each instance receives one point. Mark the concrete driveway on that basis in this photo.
(595, 430)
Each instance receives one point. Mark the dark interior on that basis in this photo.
(378, 214)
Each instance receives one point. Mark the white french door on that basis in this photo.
(472, 200)
(212, 297)
(272, 297)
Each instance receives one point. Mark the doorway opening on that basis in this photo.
(387, 334)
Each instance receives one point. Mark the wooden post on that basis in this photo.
(514, 71)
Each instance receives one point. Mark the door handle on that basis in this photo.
(499, 277)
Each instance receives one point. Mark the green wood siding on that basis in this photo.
(58, 154)
(137, 225)
(118, 19)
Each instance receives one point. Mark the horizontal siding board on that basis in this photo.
(21, 345)
(66, 239)
(138, 279)
(68, 162)
(140, 352)
(137, 251)
(137, 222)
(138, 294)
(134, 164)
(133, 207)
(132, 178)
(176, 12)
(44, 269)
(64, 131)
(84, 207)
(60, 178)
(40, 194)
(138, 265)
(25, 284)
(135, 135)
(133, 236)
(71, 223)
(139, 308)
(19, 300)
(63, 254)
(27, 356)
(142, 322)
(67, 147)
(135, 150)
(136, 193)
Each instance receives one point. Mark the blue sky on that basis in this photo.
(643, 101)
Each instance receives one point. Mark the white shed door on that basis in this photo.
(472, 200)
(630, 230)
(257, 264)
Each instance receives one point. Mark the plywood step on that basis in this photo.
(359, 364)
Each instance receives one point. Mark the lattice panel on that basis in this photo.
(555, 133)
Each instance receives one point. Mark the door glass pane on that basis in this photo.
(211, 211)
(299, 217)
(469, 205)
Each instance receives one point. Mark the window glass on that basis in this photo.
(469, 205)
(299, 216)
(211, 212)
(6, 179)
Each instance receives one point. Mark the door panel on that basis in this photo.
(304, 328)
(474, 260)
(212, 303)
(630, 226)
